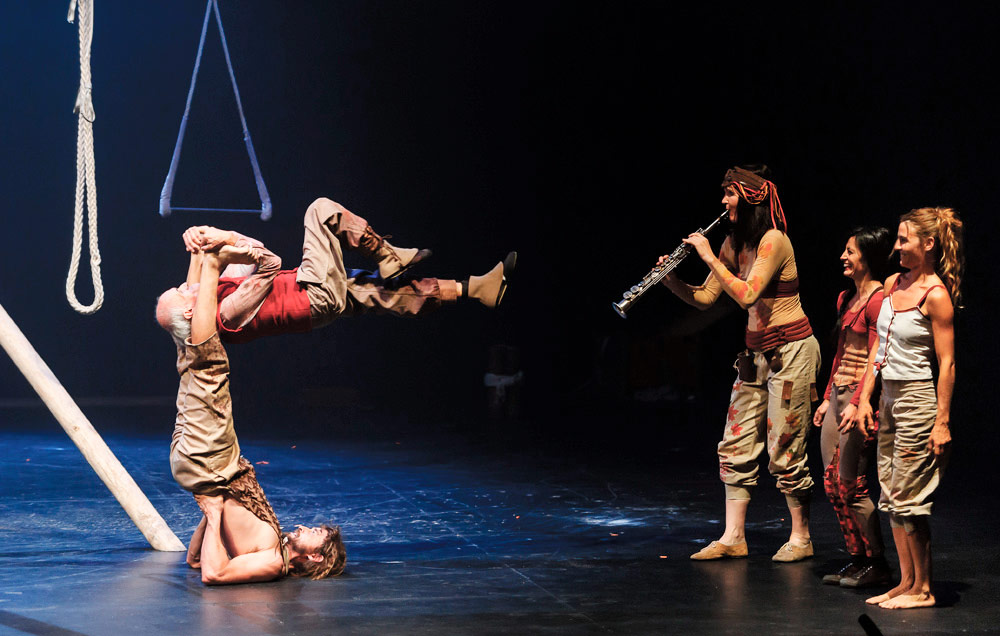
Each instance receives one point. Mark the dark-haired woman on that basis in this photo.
(845, 447)
(770, 405)
(915, 329)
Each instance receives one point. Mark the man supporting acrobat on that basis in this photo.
(239, 539)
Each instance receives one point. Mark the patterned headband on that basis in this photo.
(754, 189)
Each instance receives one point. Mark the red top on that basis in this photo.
(860, 328)
(285, 309)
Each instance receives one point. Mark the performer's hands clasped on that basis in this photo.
(205, 238)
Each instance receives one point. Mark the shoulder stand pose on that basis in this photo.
(239, 539)
(915, 327)
(845, 449)
(770, 406)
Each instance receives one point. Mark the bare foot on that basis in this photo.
(909, 601)
(899, 590)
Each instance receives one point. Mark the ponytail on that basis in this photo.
(951, 259)
(944, 226)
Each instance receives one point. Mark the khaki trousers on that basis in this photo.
(773, 411)
(336, 291)
(908, 471)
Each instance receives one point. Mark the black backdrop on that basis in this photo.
(588, 136)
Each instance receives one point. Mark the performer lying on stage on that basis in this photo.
(239, 539)
(272, 301)
(770, 403)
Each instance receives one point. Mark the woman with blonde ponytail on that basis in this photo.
(915, 328)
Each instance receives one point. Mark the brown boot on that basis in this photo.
(491, 286)
(392, 261)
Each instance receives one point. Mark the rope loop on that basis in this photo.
(86, 179)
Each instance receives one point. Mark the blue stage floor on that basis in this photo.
(446, 537)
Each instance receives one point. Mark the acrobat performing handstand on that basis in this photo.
(239, 539)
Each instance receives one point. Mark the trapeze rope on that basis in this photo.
(168, 185)
(85, 177)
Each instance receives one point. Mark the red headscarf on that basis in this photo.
(754, 189)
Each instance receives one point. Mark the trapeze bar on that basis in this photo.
(216, 210)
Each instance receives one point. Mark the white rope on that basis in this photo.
(85, 176)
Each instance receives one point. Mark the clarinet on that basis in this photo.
(658, 272)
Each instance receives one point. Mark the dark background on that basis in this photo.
(588, 136)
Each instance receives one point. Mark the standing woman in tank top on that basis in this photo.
(771, 402)
(915, 328)
(845, 449)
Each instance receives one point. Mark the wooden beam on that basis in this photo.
(86, 438)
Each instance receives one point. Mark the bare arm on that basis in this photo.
(871, 311)
(194, 548)
(942, 315)
(206, 304)
(217, 567)
(194, 268)
(864, 415)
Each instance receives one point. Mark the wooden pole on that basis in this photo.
(80, 430)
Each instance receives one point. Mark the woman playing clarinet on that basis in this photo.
(771, 401)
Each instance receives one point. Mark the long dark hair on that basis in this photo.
(875, 245)
(752, 221)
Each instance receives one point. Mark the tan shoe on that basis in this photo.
(491, 286)
(400, 260)
(392, 261)
(718, 550)
(790, 552)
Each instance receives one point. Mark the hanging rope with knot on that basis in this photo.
(85, 177)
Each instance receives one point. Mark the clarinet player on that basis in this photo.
(771, 401)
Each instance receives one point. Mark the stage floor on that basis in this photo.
(448, 537)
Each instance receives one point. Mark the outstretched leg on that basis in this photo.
(490, 287)
(366, 292)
